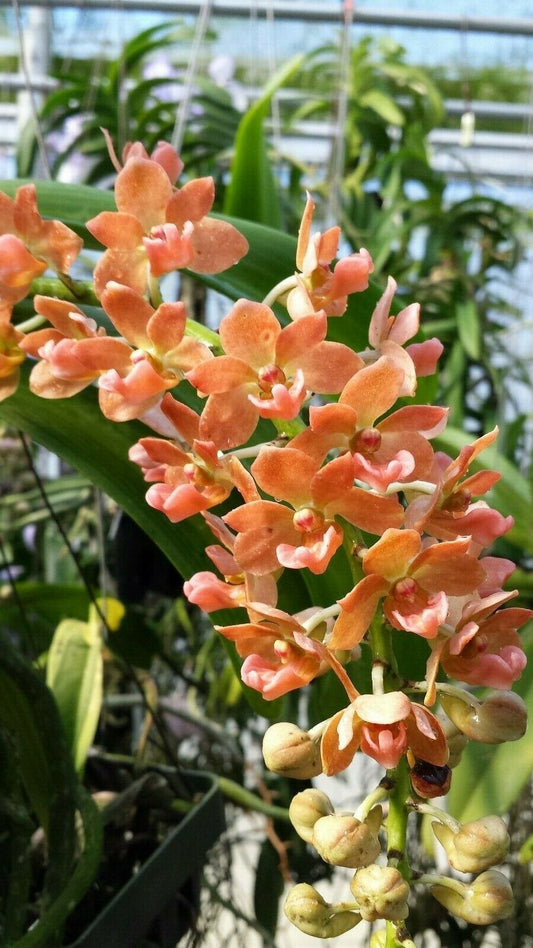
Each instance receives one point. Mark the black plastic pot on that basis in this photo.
(160, 902)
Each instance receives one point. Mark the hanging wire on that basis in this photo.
(468, 118)
(338, 148)
(30, 91)
(271, 65)
(6, 567)
(182, 116)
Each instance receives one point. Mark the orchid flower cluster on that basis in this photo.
(344, 472)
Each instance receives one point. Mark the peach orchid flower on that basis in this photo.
(393, 449)
(413, 580)
(158, 228)
(73, 351)
(267, 371)
(29, 244)
(319, 286)
(448, 511)
(304, 534)
(484, 648)
(162, 355)
(388, 334)
(279, 653)
(188, 475)
(384, 727)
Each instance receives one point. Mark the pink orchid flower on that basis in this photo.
(319, 286)
(485, 648)
(384, 727)
(413, 580)
(267, 371)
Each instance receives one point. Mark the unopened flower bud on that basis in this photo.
(306, 808)
(380, 892)
(345, 841)
(475, 846)
(456, 741)
(430, 780)
(487, 899)
(289, 751)
(306, 909)
(500, 717)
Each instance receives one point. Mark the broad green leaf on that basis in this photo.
(268, 887)
(469, 328)
(74, 674)
(18, 714)
(253, 193)
(489, 778)
(384, 105)
(75, 430)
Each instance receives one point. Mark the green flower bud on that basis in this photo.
(306, 808)
(345, 841)
(456, 741)
(487, 899)
(289, 751)
(475, 846)
(500, 717)
(380, 892)
(309, 912)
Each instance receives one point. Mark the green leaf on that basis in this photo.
(469, 328)
(76, 430)
(74, 673)
(383, 105)
(252, 193)
(268, 887)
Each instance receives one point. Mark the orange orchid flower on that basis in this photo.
(319, 286)
(448, 511)
(393, 449)
(158, 228)
(47, 243)
(413, 580)
(11, 354)
(304, 534)
(267, 371)
(384, 727)
(162, 355)
(187, 478)
(73, 352)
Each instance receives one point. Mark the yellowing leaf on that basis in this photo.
(74, 674)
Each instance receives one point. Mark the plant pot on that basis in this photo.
(159, 903)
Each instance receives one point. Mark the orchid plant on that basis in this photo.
(300, 454)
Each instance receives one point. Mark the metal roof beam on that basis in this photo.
(317, 12)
